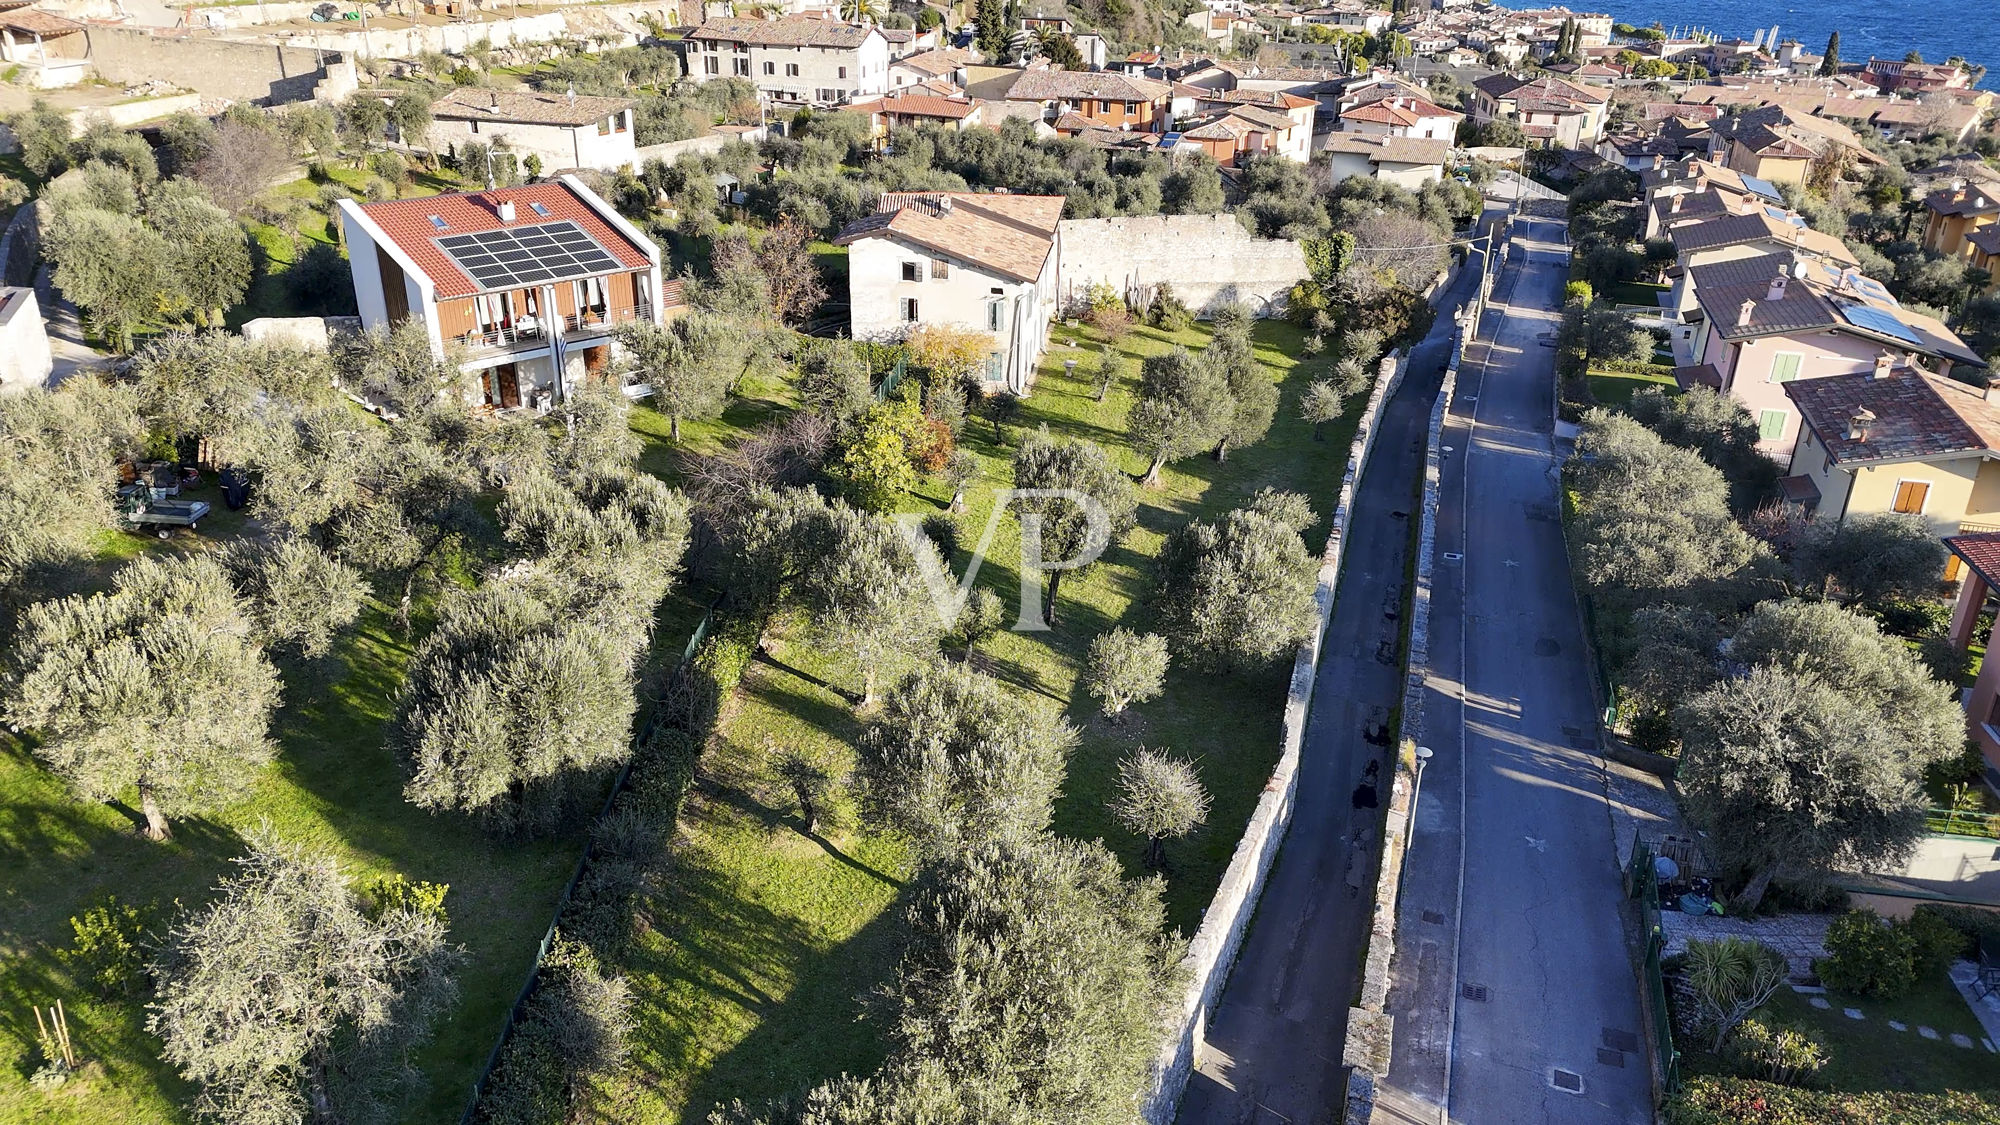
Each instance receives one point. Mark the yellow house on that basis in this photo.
(1955, 214)
(1897, 439)
(1985, 244)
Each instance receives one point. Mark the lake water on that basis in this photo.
(1884, 28)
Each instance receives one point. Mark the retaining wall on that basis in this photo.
(1370, 1028)
(217, 68)
(1209, 259)
(670, 151)
(1213, 950)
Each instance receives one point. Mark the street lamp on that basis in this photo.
(1417, 788)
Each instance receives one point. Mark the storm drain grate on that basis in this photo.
(1609, 1057)
(1433, 917)
(1619, 1040)
(1566, 1080)
(1473, 992)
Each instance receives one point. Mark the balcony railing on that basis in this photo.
(529, 331)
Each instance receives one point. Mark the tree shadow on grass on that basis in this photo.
(763, 657)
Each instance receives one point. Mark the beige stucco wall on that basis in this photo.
(558, 146)
(1945, 505)
(876, 290)
(1749, 381)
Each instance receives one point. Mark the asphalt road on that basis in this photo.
(1273, 1045)
(1515, 998)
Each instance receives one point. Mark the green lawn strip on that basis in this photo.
(1867, 1054)
(760, 942)
(1635, 293)
(336, 785)
(1614, 389)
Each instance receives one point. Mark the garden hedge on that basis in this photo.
(1709, 1100)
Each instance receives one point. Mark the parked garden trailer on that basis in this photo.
(142, 511)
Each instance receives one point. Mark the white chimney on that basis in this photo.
(1747, 311)
(1857, 425)
(1883, 364)
(1778, 284)
(1675, 206)
(1992, 390)
(506, 210)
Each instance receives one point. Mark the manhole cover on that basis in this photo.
(1473, 992)
(1547, 646)
(1452, 556)
(1620, 1040)
(1609, 1057)
(1433, 917)
(1568, 1080)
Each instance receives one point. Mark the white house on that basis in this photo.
(562, 130)
(517, 284)
(973, 260)
(25, 360)
(795, 60)
(1409, 162)
(1397, 109)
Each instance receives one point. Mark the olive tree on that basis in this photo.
(157, 686)
(1184, 408)
(1870, 559)
(1094, 505)
(866, 594)
(1239, 592)
(689, 374)
(1125, 668)
(1160, 798)
(1253, 394)
(300, 597)
(292, 996)
(953, 761)
(1321, 404)
(58, 470)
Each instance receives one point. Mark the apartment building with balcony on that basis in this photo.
(523, 286)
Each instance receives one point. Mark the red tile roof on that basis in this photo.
(1981, 552)
(407, 223)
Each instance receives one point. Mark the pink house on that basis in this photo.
(1765, 321)
(1980, 554)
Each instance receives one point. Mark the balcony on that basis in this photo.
(529, 332)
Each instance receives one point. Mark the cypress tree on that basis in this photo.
(1831, 62)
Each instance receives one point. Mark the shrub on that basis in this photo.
(1868, 957)
(1973, 924)
(1730, 978)
(1167, 313)
(979, 620)
(942, 530)
(114, 942)
(1781, 1055)
(1709, 1100)
(1934, 942)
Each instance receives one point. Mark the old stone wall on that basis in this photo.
(1209, 259)
(212, 67)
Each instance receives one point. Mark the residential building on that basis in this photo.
(1264, 122)
(1955, 214)
(1781, 144)
(25, 359)
(1896, 76)
(1766, 321)
(517, 284)
(1705, 233)
(1396, 109)
(796, 60)
(1588, 73)
(1351, 15)
(561, 131)
(1409, 162)
(1975, 555)
(946, 64)
(1551, 111)
(900, 110)
(1896, 439)
(1110, 99)
(972, 260)
(47, 50)
(1985, 244)
(1221, 26)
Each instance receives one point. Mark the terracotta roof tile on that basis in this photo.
(1981, 552)
(407, 223)
(1915, 415)
(526, 106)
(793, 31)
(917, 105)
(1050, 85)
(1396, 150)
(31, 22)
(1011, 235)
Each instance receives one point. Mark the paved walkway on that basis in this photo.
(1800, 938)
(1272, 1048)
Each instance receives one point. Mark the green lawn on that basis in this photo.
(1635, 293)
(762, 942)
(1616, 388)
(1868, 1054)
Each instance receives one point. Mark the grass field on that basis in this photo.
(763, 943)
(1615, 389)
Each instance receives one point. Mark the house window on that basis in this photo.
(1911, 495)
(770, 68)
(843, 73)
(1770, 425)
(604, 126)
(620, 121)
(741, 67)
(993, 316)
(1132, 108)
(1785, 366)
(993, 372)
(940, 269)
(909, 310)
(791, 70)
(913, 271)
(475, 126)
(711, 65)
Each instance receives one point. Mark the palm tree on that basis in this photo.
(859, 11)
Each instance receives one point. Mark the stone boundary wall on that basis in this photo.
(21, 246)
(216, 68)
(1213, 950)
(670, 151)
(1208, 259)
(1370, 1028)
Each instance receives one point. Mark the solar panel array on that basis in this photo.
(1875, 320)
(502, 259)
